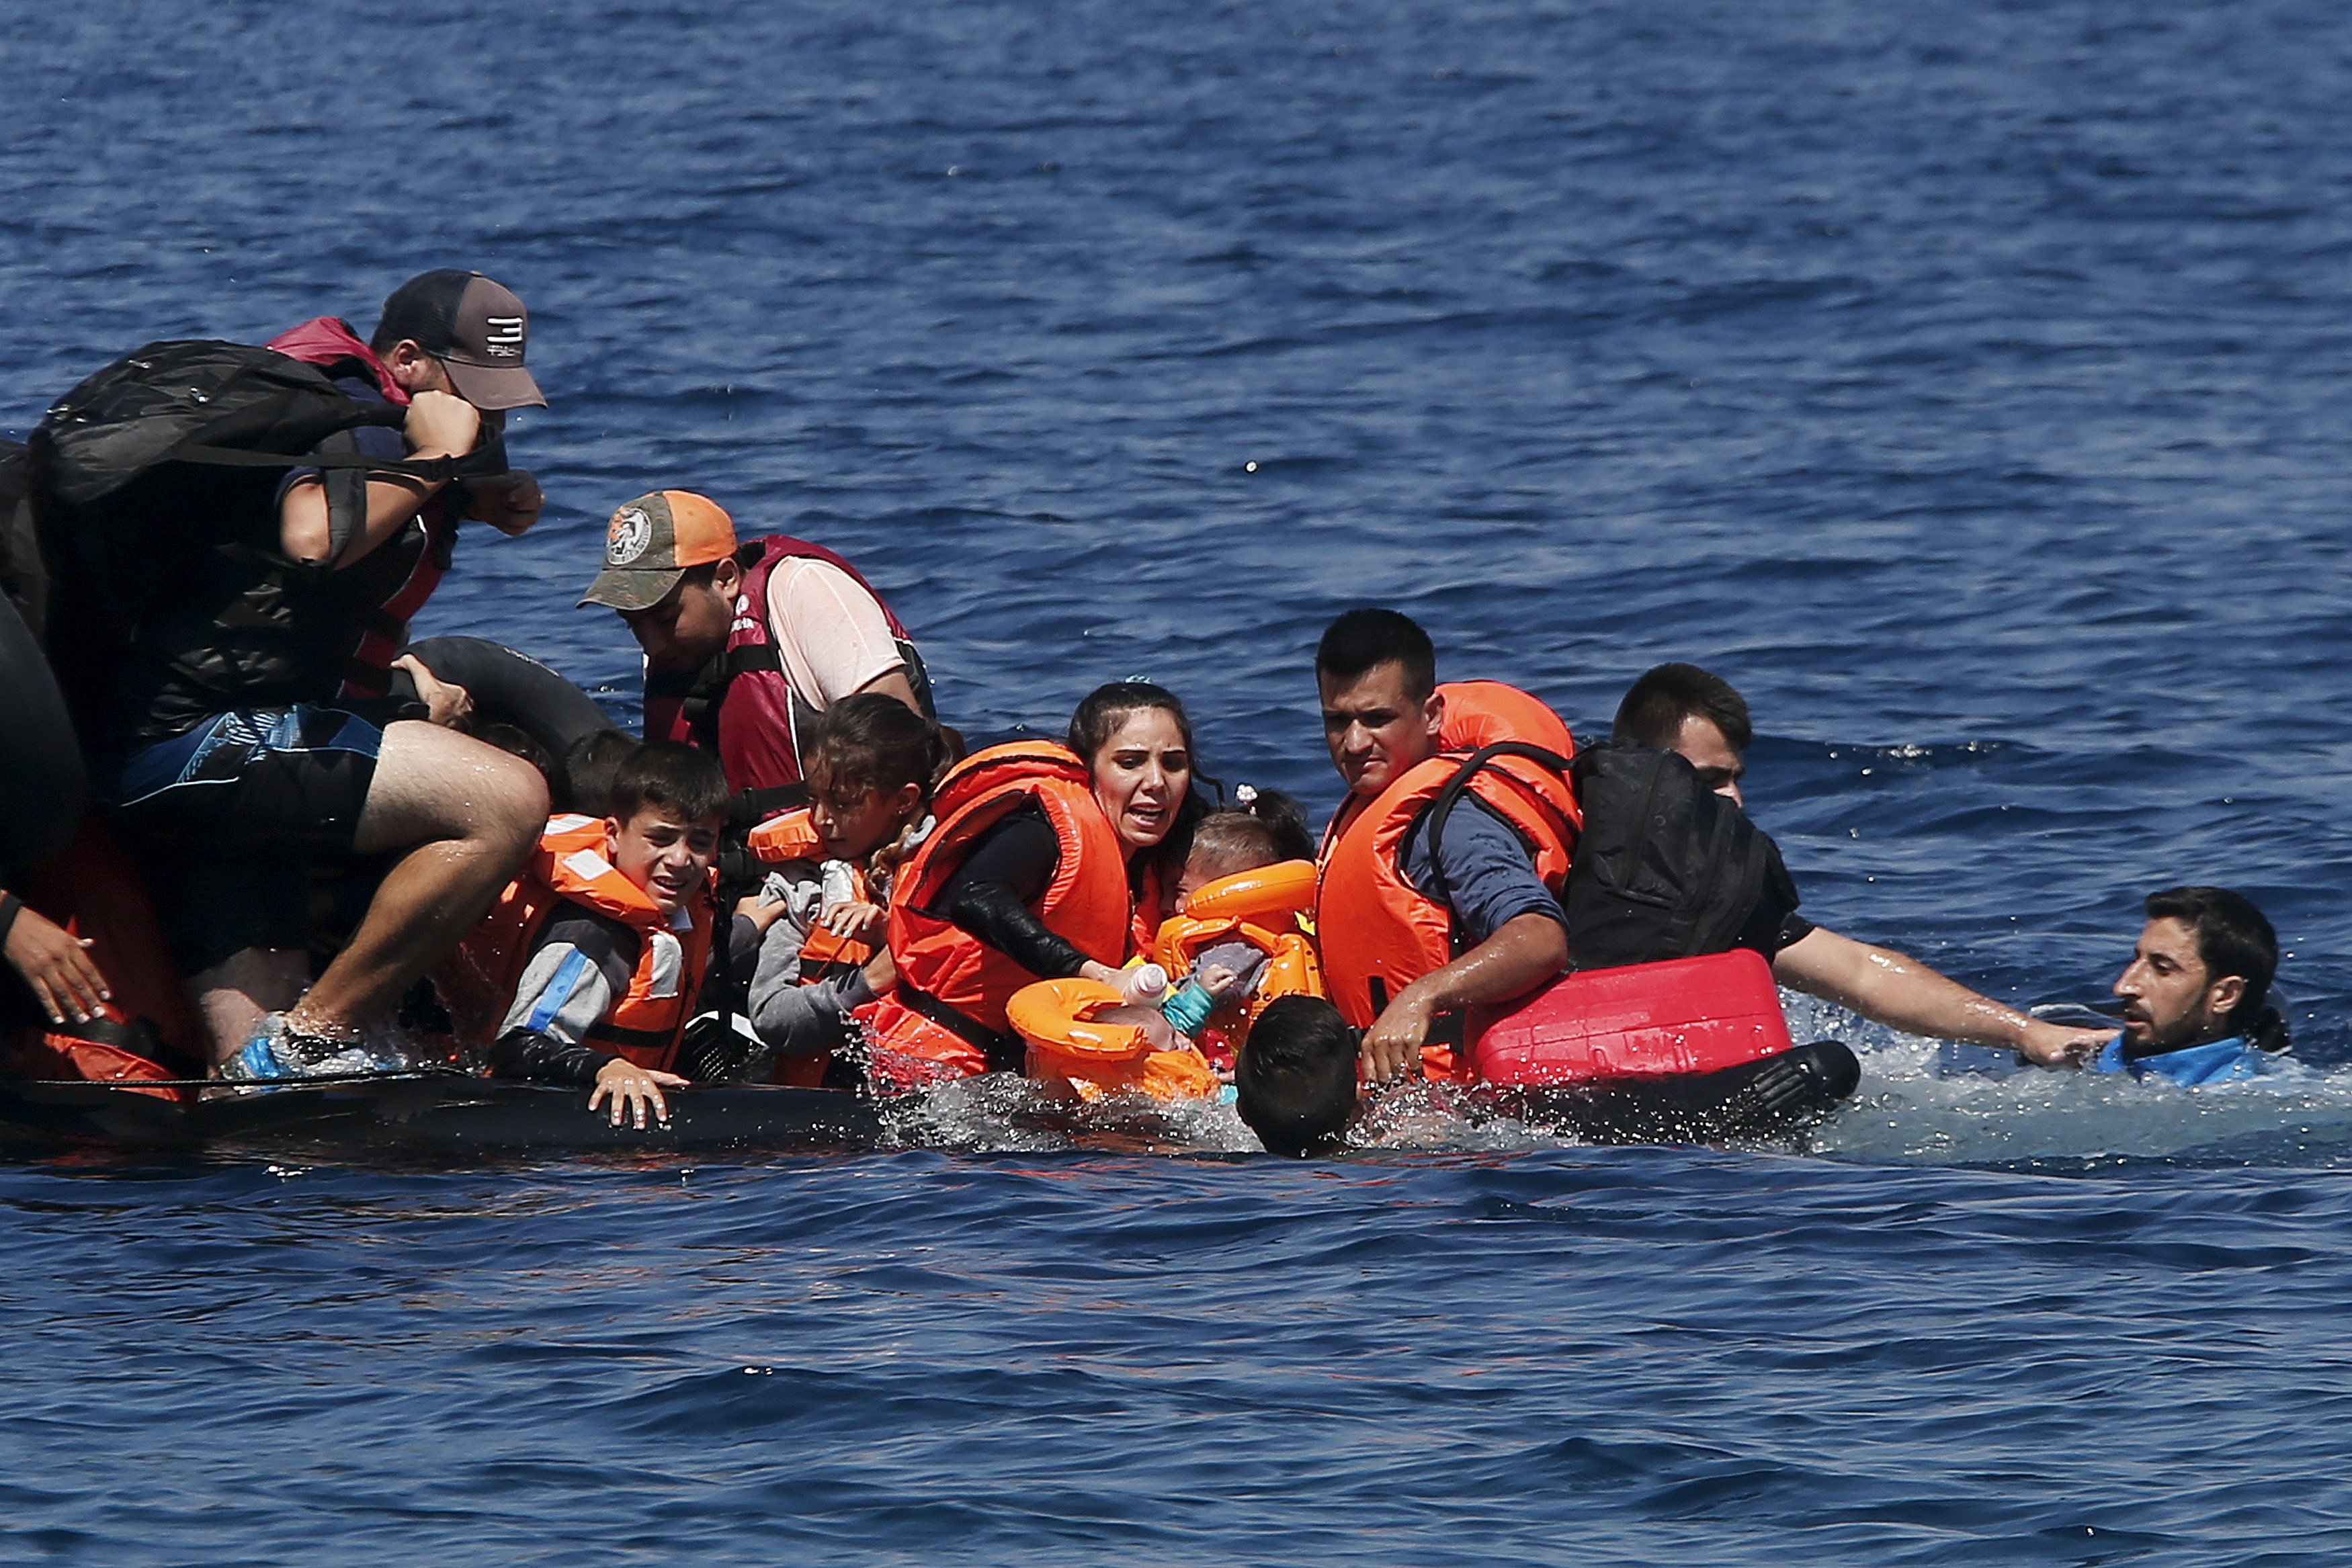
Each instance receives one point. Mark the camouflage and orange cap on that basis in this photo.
(652, 541)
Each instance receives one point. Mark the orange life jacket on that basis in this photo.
(146, 1033)
(823, 954)
(946, 1017)
(1379, 932)
(570, 868)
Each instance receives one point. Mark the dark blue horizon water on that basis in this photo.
(1965, 382)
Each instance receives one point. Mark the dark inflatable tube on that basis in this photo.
(1781, 1094)
(437, 1111)
(43, 786)
(511, 687)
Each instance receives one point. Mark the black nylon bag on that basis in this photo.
(1666, 869)
(169, 455)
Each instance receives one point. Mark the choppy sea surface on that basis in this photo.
(1965, 381)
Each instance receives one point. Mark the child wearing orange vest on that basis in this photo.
(604, 939)
(822, 912)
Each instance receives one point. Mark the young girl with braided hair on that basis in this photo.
(822, 912)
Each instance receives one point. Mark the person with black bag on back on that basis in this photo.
(236, 537)
(1671, 867)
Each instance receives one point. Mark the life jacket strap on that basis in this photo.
(1005, 1053)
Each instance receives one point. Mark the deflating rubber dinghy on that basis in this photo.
(431, 1112)
(1688, 1049)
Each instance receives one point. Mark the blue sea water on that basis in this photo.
(1965, 381)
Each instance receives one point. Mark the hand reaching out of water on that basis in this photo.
(56, 965)
(2047, 1044)
(634, 1088)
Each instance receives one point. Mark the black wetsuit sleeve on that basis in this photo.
(528, 1054)
(989, 896)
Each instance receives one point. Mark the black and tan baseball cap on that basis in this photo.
(475, 328)
(650, 543)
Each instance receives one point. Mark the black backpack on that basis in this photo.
(1666, 869)
(172, 452)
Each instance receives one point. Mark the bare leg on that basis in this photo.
(232, 996)
(472, 813)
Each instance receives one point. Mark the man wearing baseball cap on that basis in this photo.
(747, 643)
(260, 734)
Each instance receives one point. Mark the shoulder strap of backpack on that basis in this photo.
(1442, 807)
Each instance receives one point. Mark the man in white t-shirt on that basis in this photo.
(746, 646)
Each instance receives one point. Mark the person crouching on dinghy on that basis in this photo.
(1413, 934)
(246, 727)
(823, 911)
(600, 948)
(1049, 862)
(2195, 993)
(1696, 713)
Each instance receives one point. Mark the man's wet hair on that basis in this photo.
(591, 766)
(2233, 937)
(1364, 639)
(1653, 709)
(670, 776)
(1294, 1076)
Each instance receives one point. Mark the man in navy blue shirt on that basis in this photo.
(1382, 716)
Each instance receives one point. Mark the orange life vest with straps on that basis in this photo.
(823, 954)
(946, 1018)
(569, 868)
(1379, 932)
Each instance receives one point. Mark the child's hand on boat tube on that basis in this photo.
(633, 1088)
(56, 965)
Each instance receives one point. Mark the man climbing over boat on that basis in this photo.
(1420, 917)
(1698, 715)
(746, 646)
(241, 721)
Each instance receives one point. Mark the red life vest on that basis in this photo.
(743, 704)
(329, 343)
(570, 868)
(1378, 932)
(946, 1019)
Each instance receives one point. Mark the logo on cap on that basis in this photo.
(630, 532)
(504, 340)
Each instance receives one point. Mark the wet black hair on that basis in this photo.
(590, 767)
(2233, 937)
(1294, 1076)
(1363, 639)
(672, 777)
(1656, 705)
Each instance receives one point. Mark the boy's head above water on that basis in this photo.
(668, 802)
(1294, 1079)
